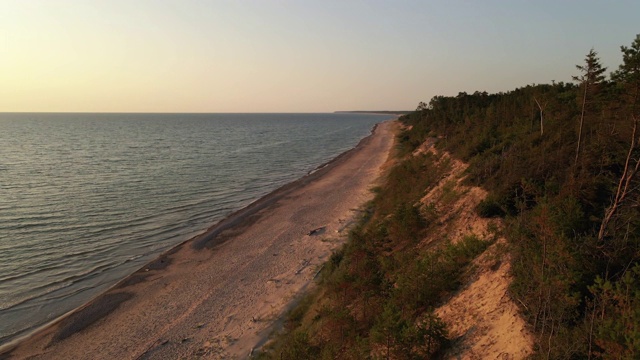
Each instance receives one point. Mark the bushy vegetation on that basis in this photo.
(560, 162)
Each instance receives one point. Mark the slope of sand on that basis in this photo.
(218, 295)
(482, 319)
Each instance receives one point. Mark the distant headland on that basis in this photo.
(382, 112)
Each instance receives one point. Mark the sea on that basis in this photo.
(88, 198)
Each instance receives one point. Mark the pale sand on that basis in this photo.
(481, 318)
(219, 295)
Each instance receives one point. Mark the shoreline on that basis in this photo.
(198, 248)
(203, 240)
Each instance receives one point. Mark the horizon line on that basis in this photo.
(206, 112)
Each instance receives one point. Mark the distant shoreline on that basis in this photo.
(375, 112)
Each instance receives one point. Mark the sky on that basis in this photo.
(292, 56)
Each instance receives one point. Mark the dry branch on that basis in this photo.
(623, 185)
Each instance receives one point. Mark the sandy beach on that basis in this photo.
(218, 296)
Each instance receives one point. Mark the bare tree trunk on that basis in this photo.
(593, 317)
(623, 185)
(584, 103)
(550, 337)
(541, 120)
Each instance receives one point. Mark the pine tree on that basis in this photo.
(590, 80)
(628, 74)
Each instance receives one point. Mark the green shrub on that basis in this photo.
(490, 208)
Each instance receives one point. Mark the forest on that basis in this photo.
(560, 163)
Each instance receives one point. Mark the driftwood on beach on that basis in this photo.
(316, 231)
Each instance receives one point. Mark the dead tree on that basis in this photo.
(541, 107)
(624, 185)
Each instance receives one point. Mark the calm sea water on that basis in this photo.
(86, 199)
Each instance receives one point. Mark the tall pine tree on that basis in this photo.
(628, 75)
(590, 81)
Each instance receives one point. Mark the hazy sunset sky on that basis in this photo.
(292, 56)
